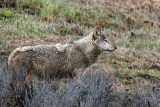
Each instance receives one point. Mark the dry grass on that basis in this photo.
(133, 25)
(131, 68)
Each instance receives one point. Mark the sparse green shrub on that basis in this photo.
(6, 13)
(140, 74)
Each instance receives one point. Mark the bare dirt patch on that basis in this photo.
(15, 41)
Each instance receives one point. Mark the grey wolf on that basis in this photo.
(58, 60)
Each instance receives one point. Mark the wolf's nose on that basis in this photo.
(115, 47)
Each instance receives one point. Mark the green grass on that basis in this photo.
(138, 42)
(69, 12)
(140, 74)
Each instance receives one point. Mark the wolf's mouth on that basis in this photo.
(110, 50)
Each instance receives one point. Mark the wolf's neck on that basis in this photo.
(88, 46)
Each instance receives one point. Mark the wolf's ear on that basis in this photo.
(98, 31)
(94, 37)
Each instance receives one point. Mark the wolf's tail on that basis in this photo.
(16, 52)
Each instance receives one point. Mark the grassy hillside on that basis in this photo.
(133, 25)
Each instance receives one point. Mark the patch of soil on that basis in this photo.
(55, 39)
(13, 42)
(34, 40)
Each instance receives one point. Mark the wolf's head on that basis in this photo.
(101, 41)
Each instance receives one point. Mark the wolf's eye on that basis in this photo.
(106, 40)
